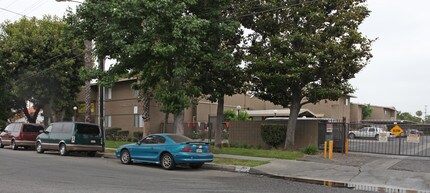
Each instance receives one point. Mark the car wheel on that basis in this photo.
(351, 136)
(125, 157)
(92, 153)
(167, 161)
(63, 149)
(13, 145)
(196, 165)
(39, 148)
(377, 136)
(1, 144)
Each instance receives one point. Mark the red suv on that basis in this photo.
(20, 135)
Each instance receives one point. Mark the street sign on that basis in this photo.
(329, 128)
(383, 137)
(397, 130)
(413, 138)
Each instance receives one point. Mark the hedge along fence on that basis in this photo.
(249, 133)
(273, 134)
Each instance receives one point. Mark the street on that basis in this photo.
(27, 171)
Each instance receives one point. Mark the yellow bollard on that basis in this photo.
(330, 149)
(325, 149)
(346, 147)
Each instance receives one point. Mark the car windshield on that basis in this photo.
(87, 129)
(179, 138)
(32, 128)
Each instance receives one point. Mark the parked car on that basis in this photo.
(168, 150)
(414, 131)
(20, 135)
(68, 137)
(367, 132)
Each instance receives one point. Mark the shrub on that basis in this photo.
(273, 135)
(123, 135)
(112, 133)
(137, 135)
(311, 150)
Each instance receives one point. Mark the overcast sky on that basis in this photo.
(397, 73)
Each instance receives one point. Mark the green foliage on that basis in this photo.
(366, 111)
(408, 117)
(311, 150)
(112, 133)
(273, 153)
(273, 135)
(123, 135)
(159, 42)
(239, 162)
(137, 135)
(44, 61)
(306, 53)
(230, 115)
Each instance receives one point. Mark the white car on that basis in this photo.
(367, 132)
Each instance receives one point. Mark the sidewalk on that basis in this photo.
(358, 171)
(369, 172)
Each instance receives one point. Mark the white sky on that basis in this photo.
(396, 74)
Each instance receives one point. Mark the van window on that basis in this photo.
(56, 128)
(17, 127)
(9, 128)
(32, 128)
(67, 128)
(87, 129)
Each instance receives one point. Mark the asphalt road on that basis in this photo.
(26, 171)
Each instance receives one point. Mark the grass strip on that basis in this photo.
(239, 162)
(115, 144)
(278, 154)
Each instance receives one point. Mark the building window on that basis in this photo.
(385, 111)
(108, 93)
(138, 121)
(346, 101)
(108, 121)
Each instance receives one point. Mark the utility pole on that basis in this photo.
(425, 113)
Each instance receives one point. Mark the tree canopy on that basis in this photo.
(44, 63)
(302, 52)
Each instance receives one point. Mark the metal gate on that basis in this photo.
(412, 139)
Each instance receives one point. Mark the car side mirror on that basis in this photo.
(139, 142)
(46, 132)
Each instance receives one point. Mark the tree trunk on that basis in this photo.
(166, 120)
(178, 123)
(146, 100)
(47, 115)
(292, 122)
(219, 120)
(88, 65)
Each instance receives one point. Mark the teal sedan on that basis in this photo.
(168, 150)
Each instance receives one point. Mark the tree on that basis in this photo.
(5, 97)
(408, 117)
(219, 73)
(302, 52)
(159, 42)
(366, 112)
(45, 62)
(419, 113)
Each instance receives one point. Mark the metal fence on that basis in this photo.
(412, 139)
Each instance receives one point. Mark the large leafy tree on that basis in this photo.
(219, 73)
(158, 42)
(44, 62)
(5, 96)
(304, 51)
(408, 117)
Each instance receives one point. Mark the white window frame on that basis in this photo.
(108, 93)
(108, 121)
(137, 121)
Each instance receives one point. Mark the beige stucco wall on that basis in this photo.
(122, 103)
